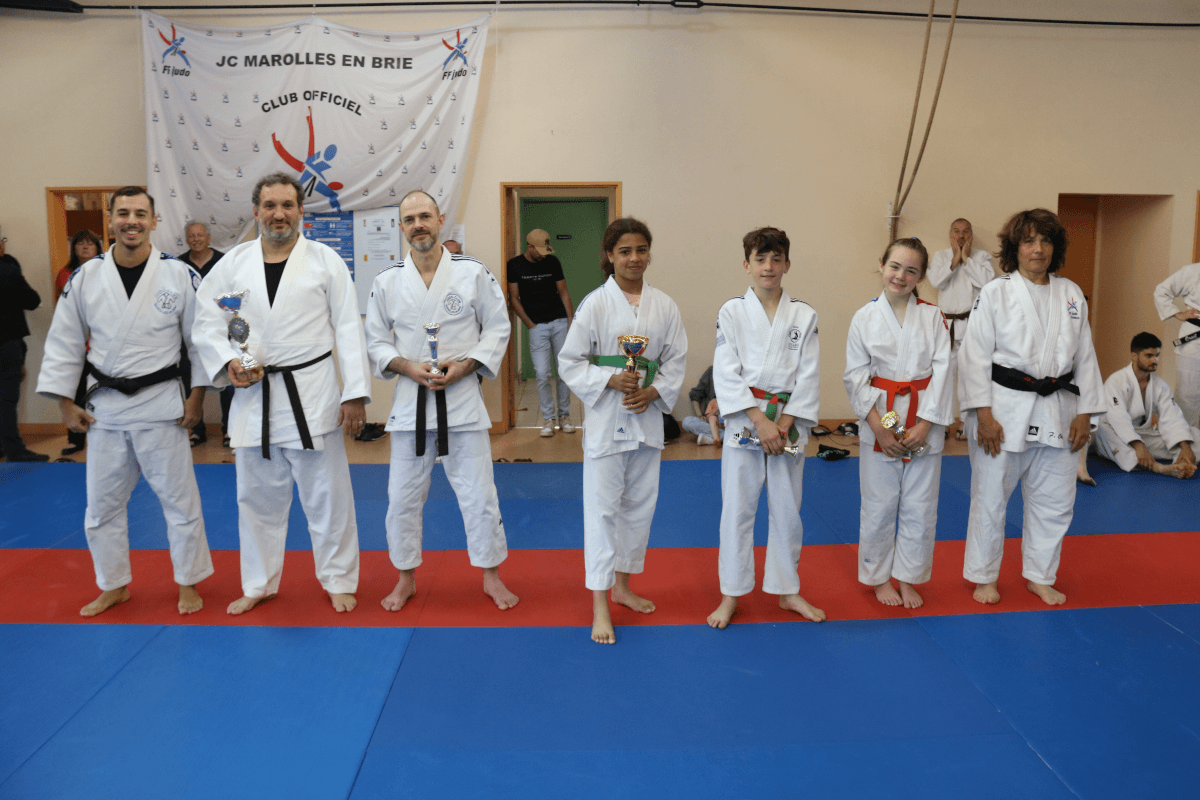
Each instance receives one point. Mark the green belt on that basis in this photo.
(651, 367)
(774, 401)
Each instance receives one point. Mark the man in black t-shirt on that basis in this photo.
(538, 292)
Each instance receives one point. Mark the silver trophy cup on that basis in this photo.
(239, 329)
(431, 330)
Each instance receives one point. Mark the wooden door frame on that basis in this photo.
(56, 221)
(508, 217)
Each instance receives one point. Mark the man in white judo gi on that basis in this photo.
(1184, 284)
(133, 306)
(958, 273)
(439, 412)
(1127, 434)
(300, 304)
(1031, 393)
(766, 370)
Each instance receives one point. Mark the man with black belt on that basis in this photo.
(299, 302)
(439, 322)
(958, 274)
(122, 320)
(201, 256)
(1184, 284)
(16, 297)
(539, 297)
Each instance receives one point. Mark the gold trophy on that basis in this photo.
(891, 422)
(632, 346)
(747, 437)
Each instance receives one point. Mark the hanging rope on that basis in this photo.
(898, 203)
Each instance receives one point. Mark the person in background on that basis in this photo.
(84, 246)
(16, 297)
(201, 256)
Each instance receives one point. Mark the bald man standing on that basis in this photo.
(538, 293)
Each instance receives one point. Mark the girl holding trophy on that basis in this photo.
(624, 358)
(897, 376)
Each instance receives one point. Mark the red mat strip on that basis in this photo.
(50, 586)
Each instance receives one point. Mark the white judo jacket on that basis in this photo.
(315, 311)
(600, 318)
(878, 347)
(776, 356)
(465, 299)
(1184, 284)
(1005, 329)
(129, 337)
(1132, 418)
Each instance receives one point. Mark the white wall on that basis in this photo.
(715, 122)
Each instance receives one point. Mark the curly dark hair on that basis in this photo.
(1025, 223)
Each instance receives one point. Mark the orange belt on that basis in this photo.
(894, 388)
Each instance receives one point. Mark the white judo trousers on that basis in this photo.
(264, 495)
(744, 471)
(620, 492)
(897, 517)
(468, 467)
(115, 460)
(1108, 443)
(1047, 476)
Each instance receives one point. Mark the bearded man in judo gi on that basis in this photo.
(299, 302)
(1032, 393)
(438, 306)
(1127, 432)
(121, 320)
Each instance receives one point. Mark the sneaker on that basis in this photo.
(565, 424)
(28, 456)
(704, 439)
(547, 428)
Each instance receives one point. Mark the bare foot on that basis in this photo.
(190, 600)
(1176, 470)
(794, 602)
(602, 627)
(106, 600)
(887, 594)
(724, 613)
(622, 595)
(1050, 596)
(910, 596)
(406, 587)
(987, 593)
(494, 588)
(244, 604)
(343, 602)
(1083, 477)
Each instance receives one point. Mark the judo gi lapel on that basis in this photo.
(1049, 331)
(135, 305)
(431, 305)
(1140, 411)
(628, 427)
(277, 312)
(773, 370)
(253, 278)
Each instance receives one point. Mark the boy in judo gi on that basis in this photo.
(121, 320)
(766, 373)
(622, 444)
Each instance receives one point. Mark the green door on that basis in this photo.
(576, 226)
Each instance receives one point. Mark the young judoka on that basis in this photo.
(766, 369)
(133, 306)
(898, 359)
(1031, 390)
(622, 443)
(1128, 434)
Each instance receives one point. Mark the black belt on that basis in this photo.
(293, 397)
(1015, 379)
(443, 435)
(1191, 336)
(126, 386)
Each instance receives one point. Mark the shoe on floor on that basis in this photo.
(547, 429)
(27, 456)
(198, 439)
(72, 450)
(704, 438)
(224, 441)
(565, 424)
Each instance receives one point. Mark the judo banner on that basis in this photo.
(359, 117)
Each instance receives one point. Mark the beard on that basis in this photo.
(426, 246)
(282, 237)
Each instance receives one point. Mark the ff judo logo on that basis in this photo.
(458, 50)
(1072, 309)
(313, 168)
(175, 48)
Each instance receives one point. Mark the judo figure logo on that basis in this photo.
(174, 46)
(313, 168)
(457, 50)
(165, 300)
(1072, 308)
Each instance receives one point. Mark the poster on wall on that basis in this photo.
(376, 247)
(359, 117)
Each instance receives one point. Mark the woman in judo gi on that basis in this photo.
(623, 425)
(898, 378)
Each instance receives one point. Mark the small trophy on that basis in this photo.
(891, 421)
(632, 346)
(431, 330)
(747, 437)
(239, 329)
